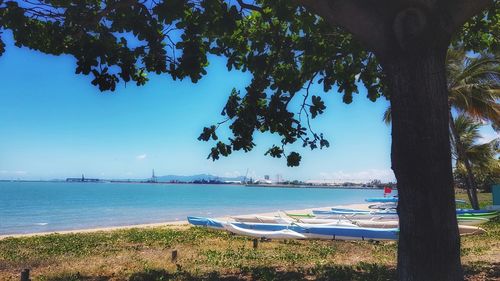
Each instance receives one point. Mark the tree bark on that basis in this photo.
(470, 181)
(429, 242)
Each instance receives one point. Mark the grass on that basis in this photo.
(484, 199)
(144, 255)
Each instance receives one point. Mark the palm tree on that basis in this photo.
(480, 156)
(474, 89)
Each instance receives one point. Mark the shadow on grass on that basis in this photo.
(360, 272)
(482, 271)
(76, 277)
(339, 273)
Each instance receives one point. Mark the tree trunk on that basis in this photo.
(429, 243)
(470, 181)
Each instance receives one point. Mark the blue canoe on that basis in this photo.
(354, 212)
(395, 200)
(205, 222)
(472, 211)
(309, 231)
(350, 210)
(392, 212)
(382, 199)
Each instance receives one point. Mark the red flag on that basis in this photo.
(387, 190)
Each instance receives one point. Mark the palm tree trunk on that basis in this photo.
(470, 181)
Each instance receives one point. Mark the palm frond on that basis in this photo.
(387, 118)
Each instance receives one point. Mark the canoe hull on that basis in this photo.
(310, 231)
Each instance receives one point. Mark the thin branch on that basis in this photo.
(249, 6)
(304, 104)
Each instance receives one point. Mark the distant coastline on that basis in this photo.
(266, 181)
(257, 185)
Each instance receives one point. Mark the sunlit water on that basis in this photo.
(27, 207)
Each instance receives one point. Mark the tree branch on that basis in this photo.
(363, 18)
(249, 6)
(462, 10)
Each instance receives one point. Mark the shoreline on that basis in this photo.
(183, 223)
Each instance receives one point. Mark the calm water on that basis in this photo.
(27, 207)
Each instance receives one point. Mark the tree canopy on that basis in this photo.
(284, 45)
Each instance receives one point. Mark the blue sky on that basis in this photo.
(55, 124)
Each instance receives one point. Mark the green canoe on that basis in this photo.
(486, 215)
(300, 215)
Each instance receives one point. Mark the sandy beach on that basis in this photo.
(179, 223)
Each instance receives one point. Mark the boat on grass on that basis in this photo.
(273, 234)
(465, 220)
(309, 231)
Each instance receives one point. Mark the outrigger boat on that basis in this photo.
(486, 214)
(460, 212)
(275, 234)
(382, 199)
(322, 232)
(470, 220)
(359, 230)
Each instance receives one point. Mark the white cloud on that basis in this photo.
(358, 176)
(141, 157)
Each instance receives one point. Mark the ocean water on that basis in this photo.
(28, 207)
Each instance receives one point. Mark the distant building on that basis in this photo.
(233, 182)
(153, 178)
(82, 179)
(263, 181)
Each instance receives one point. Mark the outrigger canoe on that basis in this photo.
(396, 199)
(460, 212)
(308, 218)
(471, 220)
(382, 206)
(486, 214)
(355, 216)
(359, 230)
(323, 232)
(300, 215)
(275, 234)
(263, 219)
(382, 199)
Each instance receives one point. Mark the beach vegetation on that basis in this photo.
(143, 254)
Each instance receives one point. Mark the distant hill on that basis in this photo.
(198, 177)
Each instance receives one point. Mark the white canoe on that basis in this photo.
(278, 234)
(471, 221)
(470, 230)
(281, 220)
(263, 219)
(358, 216)
(462, 229)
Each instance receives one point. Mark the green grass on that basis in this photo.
(485, 199)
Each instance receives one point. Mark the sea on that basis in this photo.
(30, 207)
